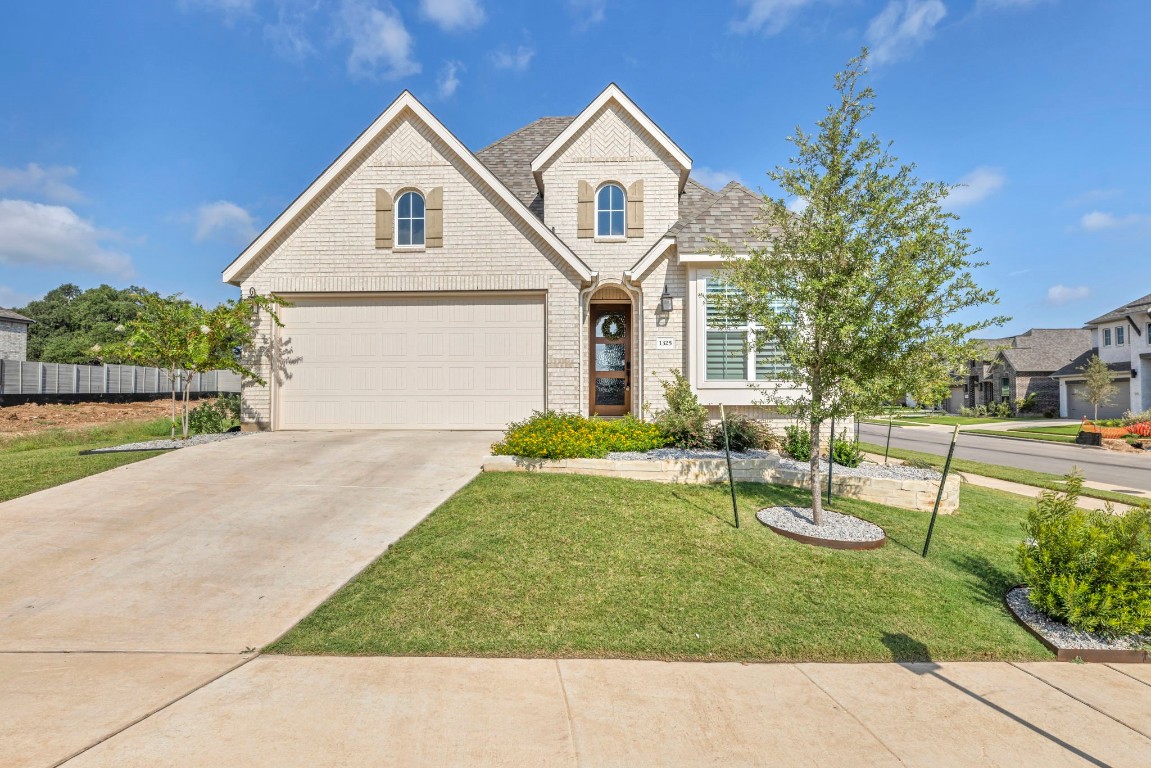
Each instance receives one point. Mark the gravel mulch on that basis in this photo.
(167, 445)
(1062, 636)
(836, 526)
(867, 469)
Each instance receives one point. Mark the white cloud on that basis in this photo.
(1058, 295)
(768, 16)
(976, 187)
(714, 178)
(587, 12)
(224, 221)
(448, 81)
(903, 26)
(381, 45)
(37, 235)
(10, 298)
(453, 15)
(798, 204)
(34, 180)
(289, 33)
(517, 60)
(1099, 220)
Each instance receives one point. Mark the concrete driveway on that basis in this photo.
(188, 560)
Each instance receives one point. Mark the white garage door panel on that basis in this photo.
(463, 362)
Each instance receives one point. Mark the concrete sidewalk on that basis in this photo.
(297, 711)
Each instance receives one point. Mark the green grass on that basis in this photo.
(1024, 434)
(522, 565)
(1011, 474)
(34, 462)
(1069, 429)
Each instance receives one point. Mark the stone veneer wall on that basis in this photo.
(918, 495)
(13, 340)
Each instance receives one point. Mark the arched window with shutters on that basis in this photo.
(610, 211)
(410, 219)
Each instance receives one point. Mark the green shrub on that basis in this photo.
(684, 421)
(1088, 569)
(797, 443)
(1131, 417)
(551, 435)
(1028, 403)
(214, 416)
(743, 434)
(846, 452)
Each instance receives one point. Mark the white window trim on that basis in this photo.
(396, 223)
(1120, 335)
(1106, 337)
(622, 237)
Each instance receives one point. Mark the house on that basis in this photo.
(1016, 367)
(13, 335)
(562, 267)
(1122, 339)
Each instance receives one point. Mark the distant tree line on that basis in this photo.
(73, 324)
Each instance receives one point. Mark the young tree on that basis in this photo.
(1098, 380)
(859, 289)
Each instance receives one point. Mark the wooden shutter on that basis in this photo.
(585, 223)
(434, 218)
(635, 209)
(383, 219)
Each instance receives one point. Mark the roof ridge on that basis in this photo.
(523, 128)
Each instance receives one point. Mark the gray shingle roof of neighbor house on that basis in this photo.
(729, 217)
(14, 317)
(1075, 367)
(1042, 350)
(1142, 304)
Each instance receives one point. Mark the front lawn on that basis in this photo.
(525, 565)
(35, 462)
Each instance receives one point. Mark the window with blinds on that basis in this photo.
(729, 356)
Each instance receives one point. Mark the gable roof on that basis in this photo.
(1075, 367)
(612, 93)
(1142, 304)
(729, 217)
(1046, 349)
(14, 317)
(510, 158)
(404, 102)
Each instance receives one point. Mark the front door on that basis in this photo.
(610, 359)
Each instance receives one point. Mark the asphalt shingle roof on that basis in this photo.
(1075, 367)
(1142, 304)
(1045, 349)
(9, 315)
(510, 158)
(729, 217)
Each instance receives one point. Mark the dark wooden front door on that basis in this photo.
(610, 367)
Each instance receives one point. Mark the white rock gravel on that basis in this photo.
(836, 526)
(1062, 636)
(866, 469)
(165, 445)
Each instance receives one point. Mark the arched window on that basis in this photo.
(609, 212)
(410, 219)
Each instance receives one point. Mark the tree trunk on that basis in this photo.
(816, 475)
(187, 387)
(172, 381)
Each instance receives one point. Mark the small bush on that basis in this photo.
(1088, 569)
(684, 422)
(1028, 403)
(846, 452)
(743, 434)
(797, 443)
(551, 435)
(1131, 417)
(211, 417)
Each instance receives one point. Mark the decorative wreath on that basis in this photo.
(614, 326)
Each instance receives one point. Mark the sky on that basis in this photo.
(146, 143)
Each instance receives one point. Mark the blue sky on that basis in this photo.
(146, 142)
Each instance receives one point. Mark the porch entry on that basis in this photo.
(609, 337)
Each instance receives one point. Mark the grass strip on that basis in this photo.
(1011, 474)
(1022, 435)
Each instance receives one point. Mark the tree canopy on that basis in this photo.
(70, 322)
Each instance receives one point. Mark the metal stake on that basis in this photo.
(730, 476)
(887, 450)
(942, 483)
(830, 459)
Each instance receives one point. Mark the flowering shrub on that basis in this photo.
(552, 435)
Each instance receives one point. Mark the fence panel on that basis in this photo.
(18, 377)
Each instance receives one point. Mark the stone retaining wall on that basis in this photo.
(906, 494)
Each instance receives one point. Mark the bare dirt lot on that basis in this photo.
(37, 417)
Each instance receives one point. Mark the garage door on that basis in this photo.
(1078, 407)
(428, 362)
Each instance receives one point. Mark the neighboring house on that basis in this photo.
(13, 335)
(1122, 339)
(1013, 368)
(561, 267)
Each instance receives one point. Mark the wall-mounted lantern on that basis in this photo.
(665, 300)
(255, 307)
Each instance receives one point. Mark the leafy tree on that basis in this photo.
(1098, 380)
(184, 338)
(71, 321)
(859, 290)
